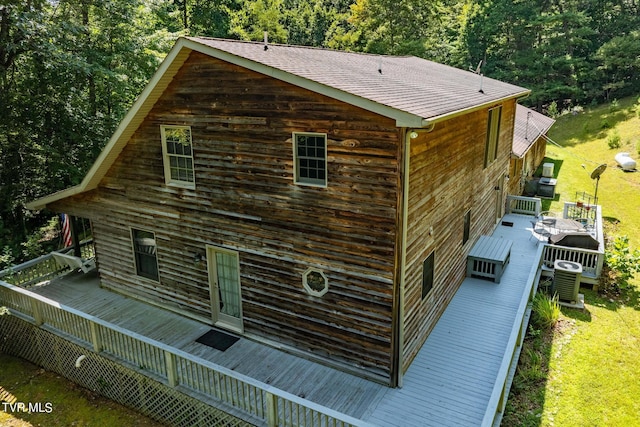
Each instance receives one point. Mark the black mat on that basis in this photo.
(218, 340)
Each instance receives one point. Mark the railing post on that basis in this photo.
(272, 410)
(172, 372)
(36, 312)
(95, 336)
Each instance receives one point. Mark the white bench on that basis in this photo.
(488, 258)
(74, 262)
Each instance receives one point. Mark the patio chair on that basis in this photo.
(540, 229)
(74, 262)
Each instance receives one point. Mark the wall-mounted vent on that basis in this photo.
(566, 279)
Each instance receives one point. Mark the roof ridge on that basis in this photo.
(297, 46)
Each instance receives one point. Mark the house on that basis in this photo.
(319, 201)
(529, 146)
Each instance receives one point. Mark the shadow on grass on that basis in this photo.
(528, 391)
(595, 124)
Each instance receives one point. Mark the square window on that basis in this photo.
(310, 160)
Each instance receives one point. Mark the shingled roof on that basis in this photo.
(421, 88)
(529, 126)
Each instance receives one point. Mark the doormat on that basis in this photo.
(217, 339)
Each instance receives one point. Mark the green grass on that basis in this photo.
(67, 403)
(585, 371)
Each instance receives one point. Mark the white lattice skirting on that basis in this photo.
(100, 374)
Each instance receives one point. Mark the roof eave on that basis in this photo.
(42, 202)
(450, 115)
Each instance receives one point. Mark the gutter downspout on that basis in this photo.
(409, 134)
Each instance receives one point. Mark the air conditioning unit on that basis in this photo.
(566, 279)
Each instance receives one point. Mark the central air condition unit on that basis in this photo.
(566, 279)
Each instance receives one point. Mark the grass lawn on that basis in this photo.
(585, 371)
(62, 403)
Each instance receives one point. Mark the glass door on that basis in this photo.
(224, 285)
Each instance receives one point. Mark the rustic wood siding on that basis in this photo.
(447, 179)
(245, 200)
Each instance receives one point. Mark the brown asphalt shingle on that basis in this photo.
(529, 126)
(414, 85)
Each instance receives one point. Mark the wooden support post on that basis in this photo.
(37, 314)
(172, 372)
(272, 410)
(95, 337)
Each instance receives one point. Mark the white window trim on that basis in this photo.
(296, 178)
(166, 156)
(493, 135)
(306, 286)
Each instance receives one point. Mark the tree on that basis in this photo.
(70, 69)
(620, 65)
(257, 16)
(392, 27)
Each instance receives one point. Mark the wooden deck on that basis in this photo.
(451, 382)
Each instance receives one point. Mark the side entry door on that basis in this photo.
(224, 285)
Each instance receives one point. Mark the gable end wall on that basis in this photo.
(245, 200)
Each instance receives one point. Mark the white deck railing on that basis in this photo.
(524, 205)
(592, 261)
(171, 365)
(42, 268)
(591, 215)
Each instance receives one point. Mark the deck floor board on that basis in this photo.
(448, 384)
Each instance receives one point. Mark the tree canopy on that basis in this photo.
(70, 69)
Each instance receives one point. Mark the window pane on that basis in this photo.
(179, 154)
(144, 246)
(427, 275)
(311, 159)
(467, 227)
(228, 279)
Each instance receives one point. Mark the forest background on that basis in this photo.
(70, 69)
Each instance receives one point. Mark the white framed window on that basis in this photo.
(310, 159)
(493, 135)
(145, 253)
(178, 156)
(315, 282)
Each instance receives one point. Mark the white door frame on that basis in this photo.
(219, 317)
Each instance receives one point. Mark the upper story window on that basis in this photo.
(310, 158)
(178, 156)
(493, 134)
(144, 248)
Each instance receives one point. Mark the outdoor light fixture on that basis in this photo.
(197, 258)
